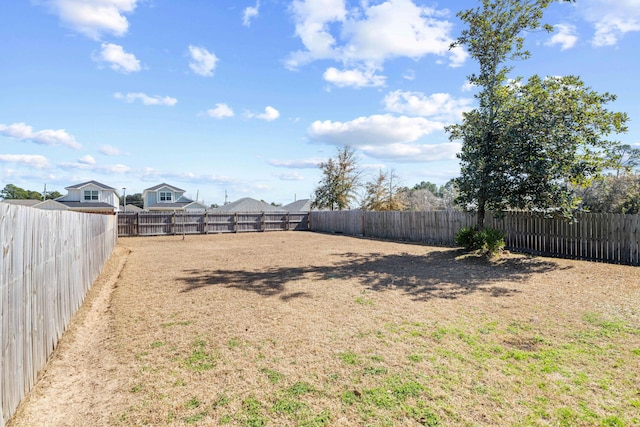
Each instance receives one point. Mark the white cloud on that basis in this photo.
(413, 152)
(221, 111)
(82, 164)
(109, 150)
(467, 86)
(370, 34)
(155, 175)
(24, 132)
(269, 114)
(87, 160)
(290, 176)
(373, 130)
(564, 35)
(439, 106)
(146, 99)
(118, 59)
(202, 62)
(297, 164)
(36, 161)
(249, 13)
(409, 75)
(353, 78)
(611, 19)
(93, 18)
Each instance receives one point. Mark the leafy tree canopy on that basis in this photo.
(11, 191)
(341, 175)
(525, 142)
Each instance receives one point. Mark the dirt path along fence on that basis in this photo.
(49, 261)
(613, 238)
(164, 223)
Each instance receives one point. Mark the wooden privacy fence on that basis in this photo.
(613, 238)
(163, 223)
(49, 260)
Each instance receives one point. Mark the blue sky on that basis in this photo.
(247, 97)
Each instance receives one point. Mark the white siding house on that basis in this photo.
(91, 196)
(165, 197)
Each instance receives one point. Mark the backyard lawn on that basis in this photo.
(309, 329)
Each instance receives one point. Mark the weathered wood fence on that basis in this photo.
(48, 262)
(154, 224)
(613, 238)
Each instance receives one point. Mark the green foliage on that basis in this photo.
(493, 240)
(526, 142)
(612, 194)
(469, 238)
(340, 181)
(488, 240)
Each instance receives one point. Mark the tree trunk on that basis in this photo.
(481, 213)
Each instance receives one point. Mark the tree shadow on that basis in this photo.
(447, 274)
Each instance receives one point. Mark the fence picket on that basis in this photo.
(49, 261)
(598, 237)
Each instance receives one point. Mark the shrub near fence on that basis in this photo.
(49, 261)
(166, 223)
(613, 238)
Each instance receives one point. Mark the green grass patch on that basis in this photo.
(364, 301)
(200, 360)
(253, 414)
(349, 358)
(273, 376)
(172, 324)
(300, 388)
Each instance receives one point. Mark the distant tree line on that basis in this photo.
(344, 185)
(12, 192)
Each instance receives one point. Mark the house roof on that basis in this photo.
(133, 208)
(51, 205)
(159, 186)
(87, 205)
(22, 202)
(164, 206)
(247, 204)
(303, 205)
(94, 183)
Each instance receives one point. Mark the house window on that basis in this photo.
(90, 195)
(165, 196)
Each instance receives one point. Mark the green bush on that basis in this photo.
(488, 240)
(494, 241)
(469, 238)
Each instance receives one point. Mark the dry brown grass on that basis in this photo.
(293, 328)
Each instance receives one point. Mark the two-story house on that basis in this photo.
(91, 197)
(165, 197)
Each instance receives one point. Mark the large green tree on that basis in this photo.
(341, 175)
(525, 142)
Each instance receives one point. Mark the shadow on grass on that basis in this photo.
(438, 274)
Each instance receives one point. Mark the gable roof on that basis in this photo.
(159, 186)
(303, 205)
(51, 204)
(133, 208)
(247, 204)
(87, 206)
(94, 183)
(22, 202)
